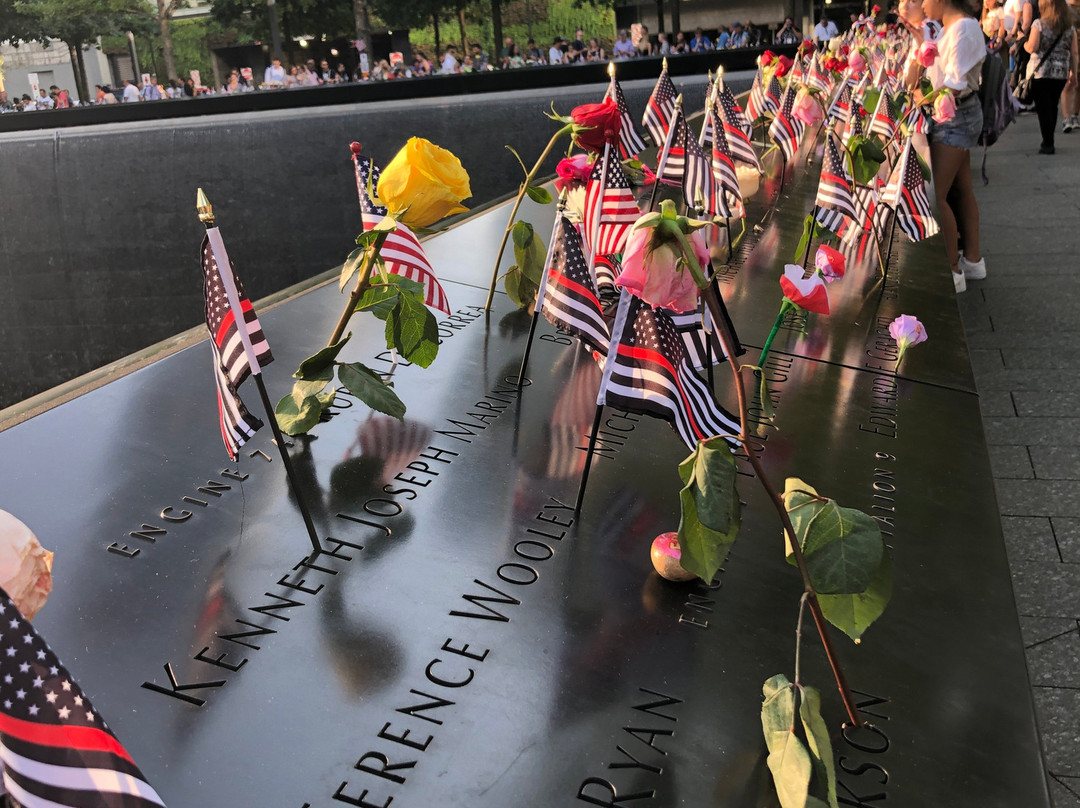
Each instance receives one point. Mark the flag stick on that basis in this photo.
(662, 162)
(810, 238)
(540, 293)
(206, 216)
(588, 459)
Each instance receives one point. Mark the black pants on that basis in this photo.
(1046, 93)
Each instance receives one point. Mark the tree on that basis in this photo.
(331, 18)
(76, 23)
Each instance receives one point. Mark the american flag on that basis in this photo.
(660, 108)
(918, 122)
(650, 375)
(630, 142)
(884, 121)
(859, 93)
(402, 251)
(816, 77)
(609, 205)
(834, 197)
(838, 109)
(699, 188)
(772, 95)
(736, 128)
(570, 299)
(723, 168)
(231, 360)
(853, 128)
(607, 268)
(755, 101)
(906, 194)
(797, 74)
(56, 749)
(787, 130)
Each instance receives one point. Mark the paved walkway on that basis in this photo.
(1021, 322)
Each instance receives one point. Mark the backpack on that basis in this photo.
(998, 104)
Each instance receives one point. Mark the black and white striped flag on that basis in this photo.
(787, 130)
(630, 142)
(660, 109)
(905, 193)
(834, 200)
(570, 299)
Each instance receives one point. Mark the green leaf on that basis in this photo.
(853, 614)
(520, 290)
(351, 265)
(380, 300)
(766, 402)
(412, 330)
(866, 159)
(789, 761)
(711, 512)
(297, 419)
(870, 99)
(367, 238)
(312, 384)
(529, 252)
(368, 386)
(923, 166)
(804, 240)
(315, 365)
(817, 740)
(539, 195)
(842, 546)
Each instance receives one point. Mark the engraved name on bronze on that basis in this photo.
(861, 775)
(642, 752)
(882, 416)
(881, 349)
(385, 767)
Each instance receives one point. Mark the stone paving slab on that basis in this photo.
(1021, 323)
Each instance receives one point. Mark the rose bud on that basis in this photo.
(944, 108)
(596, 124)
(829, 262)
(667, 558)
(927, 53)
(806, 109)
(907, 331)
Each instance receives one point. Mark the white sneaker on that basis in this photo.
(959, 282)
(973, 271)
(1067, 124)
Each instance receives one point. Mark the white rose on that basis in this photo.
(25, 566)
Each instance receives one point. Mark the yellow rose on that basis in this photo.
(423, 183)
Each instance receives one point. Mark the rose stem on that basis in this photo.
(362, 285)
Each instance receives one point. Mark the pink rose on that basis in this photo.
(25, 566)
(927, 53)
(829, 262)
(572, 171)
(806, 293)
(806, 109)
(857, 62)
(907, 331)
(655, 275)
(944, 108)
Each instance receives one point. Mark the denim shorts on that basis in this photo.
(963, 129)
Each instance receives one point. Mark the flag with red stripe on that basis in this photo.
(660, 109)
(401, 251)
(723, 169)
(570, 298)
(736, 128)
(630, 142)
(787, 130)
(650, 375)
(906, 194)
(834, 200)
(755, 101)
(610, 208)
(57, 750)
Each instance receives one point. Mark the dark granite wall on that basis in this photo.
(98, 233)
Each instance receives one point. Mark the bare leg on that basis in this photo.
(945, 163)
(967, 210)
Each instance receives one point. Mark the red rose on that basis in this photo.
(876, 10)
(783, 65)
(807, 45)
(845, 49)
(809, 294)
(603, 122)
(767, 58)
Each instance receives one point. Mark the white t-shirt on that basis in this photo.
(131, 93)
(555, 55)
(1013, 11)
(961, 50)
(449, 64)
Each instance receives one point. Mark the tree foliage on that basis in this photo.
(330, 18)
(76, 22)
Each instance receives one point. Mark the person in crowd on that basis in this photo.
(1017, 16)
(1052, 46)
(663, 47)
(131, 92)
(307, 75)
(623, 48)
(342, 74)
(739, 37)
(957, 68)
(5, 103)
(577, 45)
(504, 54)
(325, 73)
(595, 53)
(825, 30)
(44, 100)
(533, 54)
(150, 92)
(644, 45)
(1070, 98)
(273, 76)
(555, 52)
(479, 58)
(700, 43)
(189, 87)
(753, 33)
(680, 45)
(232, 83)
(723, 36)
(788, 34)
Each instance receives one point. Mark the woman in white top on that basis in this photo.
(958, 67)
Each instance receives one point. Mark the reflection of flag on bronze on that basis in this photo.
(660, 108)
(616, 207)
(736, 129)
(630, 142)
(906, 194)
(786, 130)
(233, 363)
(834, 199)
(56, 749)
(402, 251)
(570, 300)
(649, 374)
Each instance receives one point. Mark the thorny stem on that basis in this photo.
(362, 285)
(517, 204)
(728, 342)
